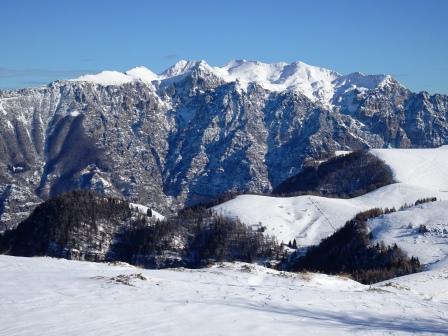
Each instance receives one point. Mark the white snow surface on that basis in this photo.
(426, 167)
(143, 74)
(308, 219)
(318, 84)
(106, 78)
(44, 296)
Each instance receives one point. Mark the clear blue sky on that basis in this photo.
(46, 40)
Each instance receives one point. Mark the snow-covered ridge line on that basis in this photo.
(314, 82)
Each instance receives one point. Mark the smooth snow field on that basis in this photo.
(420, 173)
(426, 167)
(44, 296)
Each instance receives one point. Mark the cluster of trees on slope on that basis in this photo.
(343, 176)
(78, 224)
(87, 226)
(197, 237)
(351, 251)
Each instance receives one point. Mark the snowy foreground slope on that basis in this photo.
(43, 296)
(420, 172)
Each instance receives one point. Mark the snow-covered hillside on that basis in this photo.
(308, 219)
(43, 296)
(422, 173)
(421, 231)
(426, 167)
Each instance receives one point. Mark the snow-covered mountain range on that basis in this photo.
(317, 84)
(196, 131)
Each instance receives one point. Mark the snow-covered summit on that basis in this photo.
(314, 82)
(106, 78)
(318, 84)
(120, 78)
(142, 73)
(184, 67)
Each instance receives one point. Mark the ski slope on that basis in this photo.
(421, 173)
(44, 296)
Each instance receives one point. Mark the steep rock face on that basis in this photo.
(402, 118)
(195, 132)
